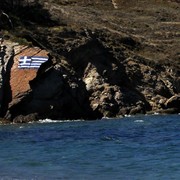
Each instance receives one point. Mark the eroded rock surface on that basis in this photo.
(106, 59)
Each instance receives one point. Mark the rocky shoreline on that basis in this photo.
(95, 69)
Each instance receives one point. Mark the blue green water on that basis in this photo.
(141, 147)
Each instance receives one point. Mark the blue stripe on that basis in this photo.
(27, 61)
(22, 57)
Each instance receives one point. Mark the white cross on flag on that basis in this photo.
(31, 61)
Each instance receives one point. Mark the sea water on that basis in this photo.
(140, 147)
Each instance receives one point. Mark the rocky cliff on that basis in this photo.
(106, 59)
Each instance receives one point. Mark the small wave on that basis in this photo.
(47, 121)
(139, 121)
(105, 118)
(156, 113)
(56, 121)
(108, 138)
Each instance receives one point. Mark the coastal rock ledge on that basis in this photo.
(91, 84)
(95, 68)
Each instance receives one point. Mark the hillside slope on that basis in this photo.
(110, 58)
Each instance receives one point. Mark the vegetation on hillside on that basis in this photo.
(111, 57)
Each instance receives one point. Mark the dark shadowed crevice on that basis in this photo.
(7, 93)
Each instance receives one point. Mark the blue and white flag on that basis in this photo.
(31, 61)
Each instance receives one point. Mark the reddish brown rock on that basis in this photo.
(17, 81)
(20, 78)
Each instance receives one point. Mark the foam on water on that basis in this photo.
(139, 121)
(128, 115)
(57, 121)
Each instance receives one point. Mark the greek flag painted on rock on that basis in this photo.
(31, 61)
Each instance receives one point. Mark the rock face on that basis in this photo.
(20, 78)
(173, 102)
(6, 60)
(96, 68)
(19, 82)
(47, 92)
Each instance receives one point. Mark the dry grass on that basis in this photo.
(154, 23)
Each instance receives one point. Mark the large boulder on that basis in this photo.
(174, 102)
(17, 85)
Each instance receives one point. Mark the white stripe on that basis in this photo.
(31, 62)
(28, 67)
(22, 60)
(25, 64)
(38, 61)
